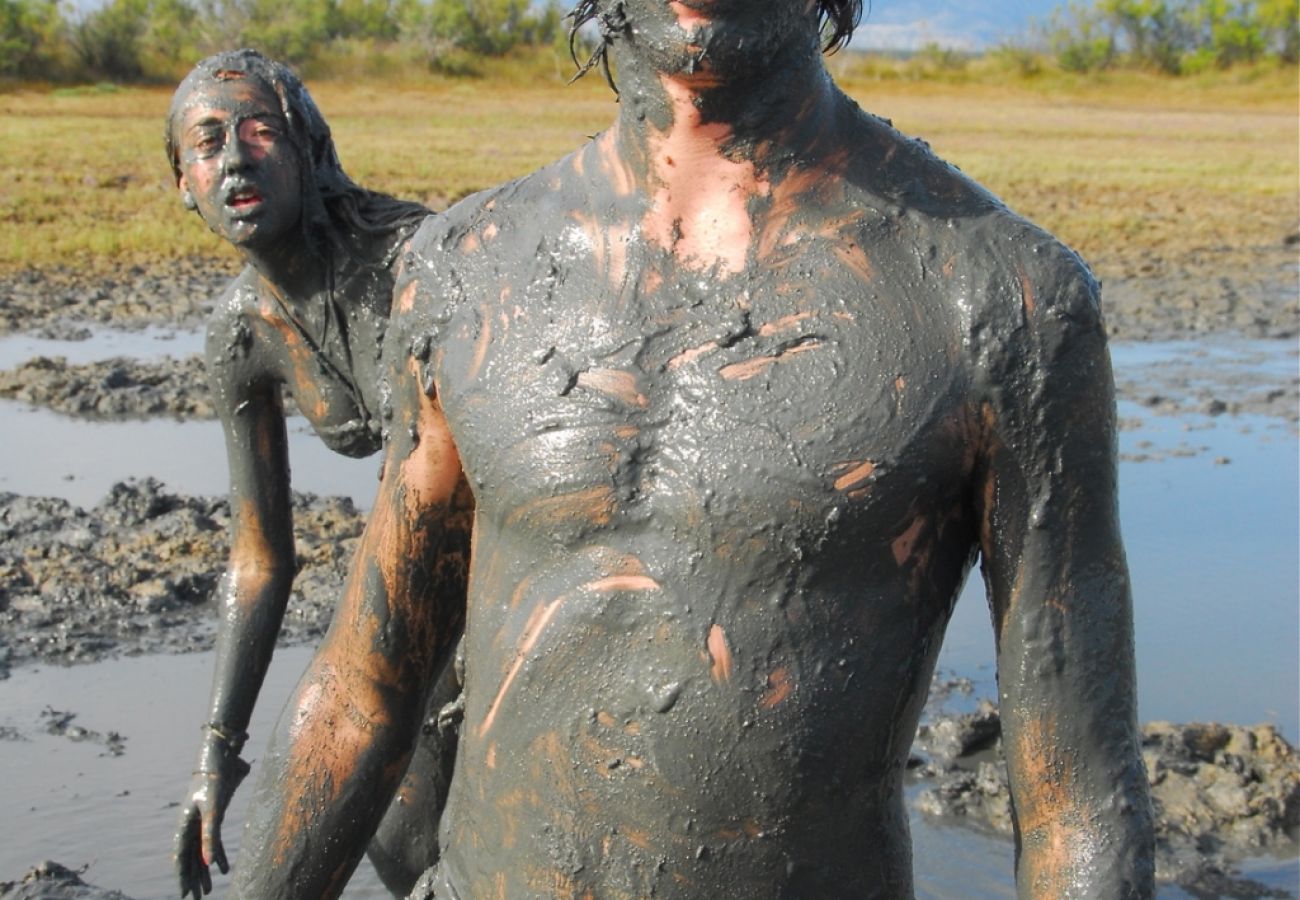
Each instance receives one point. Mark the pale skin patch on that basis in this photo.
(533, 628)
(616, 384)
(252, 554)
(699, 210)
(751, 368)
(785, 323)
(1046, 809)
(595, 505)
(622, 583)
(904, 545)
(858, 473)
(481, 346)
(779, 686)
(856, 259)
(1026, 292)
(719, 654)
(612, 166)
(406, 300)
(691, 354)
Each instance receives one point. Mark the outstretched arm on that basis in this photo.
(251, 599)
(346, 735)
(1058, 585)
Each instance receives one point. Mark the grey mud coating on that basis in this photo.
(253, 156)
(742, 388)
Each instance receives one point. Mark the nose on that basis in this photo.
(234, 155)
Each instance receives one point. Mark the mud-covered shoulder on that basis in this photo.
(478, 248)
(228, 351)
(1029, 300)
(903, 174)
(1035, 342)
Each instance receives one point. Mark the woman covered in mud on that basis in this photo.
(253, 156)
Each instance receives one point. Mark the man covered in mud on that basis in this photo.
(742, 387)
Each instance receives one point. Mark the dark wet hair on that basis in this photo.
(838, 20)
(334, 206)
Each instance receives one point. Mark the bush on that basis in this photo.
(32, 35)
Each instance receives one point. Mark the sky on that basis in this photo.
(910, 24)
(964, 24)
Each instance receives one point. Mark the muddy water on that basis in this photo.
(44, 453)
(76, 801)
(1211, 519)
(145, 344)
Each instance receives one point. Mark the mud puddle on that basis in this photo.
(50, 455)
(80, 345)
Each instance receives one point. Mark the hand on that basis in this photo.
(198, 838)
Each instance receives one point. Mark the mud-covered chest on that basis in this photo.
(705, 397)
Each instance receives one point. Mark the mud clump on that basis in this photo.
(179, 293)
(1222, 793)
(137, 573)
(113, 389)
(53, 881)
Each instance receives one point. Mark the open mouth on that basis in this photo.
(244, 199)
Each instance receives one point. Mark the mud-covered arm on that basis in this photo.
(251, 595)
(344, 739)
(1059, 590)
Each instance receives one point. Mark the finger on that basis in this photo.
(205, 875)
(185, 858)
(214, 851)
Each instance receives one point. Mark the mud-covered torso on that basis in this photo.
(721, 523)
(325, 353)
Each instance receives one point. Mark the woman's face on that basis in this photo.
(238, 167)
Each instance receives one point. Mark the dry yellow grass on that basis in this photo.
(1128, 170)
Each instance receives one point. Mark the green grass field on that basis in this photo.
(1128, 168)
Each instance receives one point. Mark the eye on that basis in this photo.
(259, 133)
(206, 144)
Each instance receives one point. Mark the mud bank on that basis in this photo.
(1247, 291)
(53, 881)
(55, 302)
(136, 573)
(114, 388)
(1222, 793)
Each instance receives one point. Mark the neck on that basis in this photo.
(759, 106)
(290, 266)
(709, 141)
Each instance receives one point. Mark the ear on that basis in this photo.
(187, 198)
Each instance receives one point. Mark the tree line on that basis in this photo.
(1172, 36)
(158, 40)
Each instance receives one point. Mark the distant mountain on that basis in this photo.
(973, 24)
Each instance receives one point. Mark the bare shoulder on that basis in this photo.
(1012, 285)
(490, 241)
(484, 222)
(228, 345)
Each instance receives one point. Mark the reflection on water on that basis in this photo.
(1214, 549)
